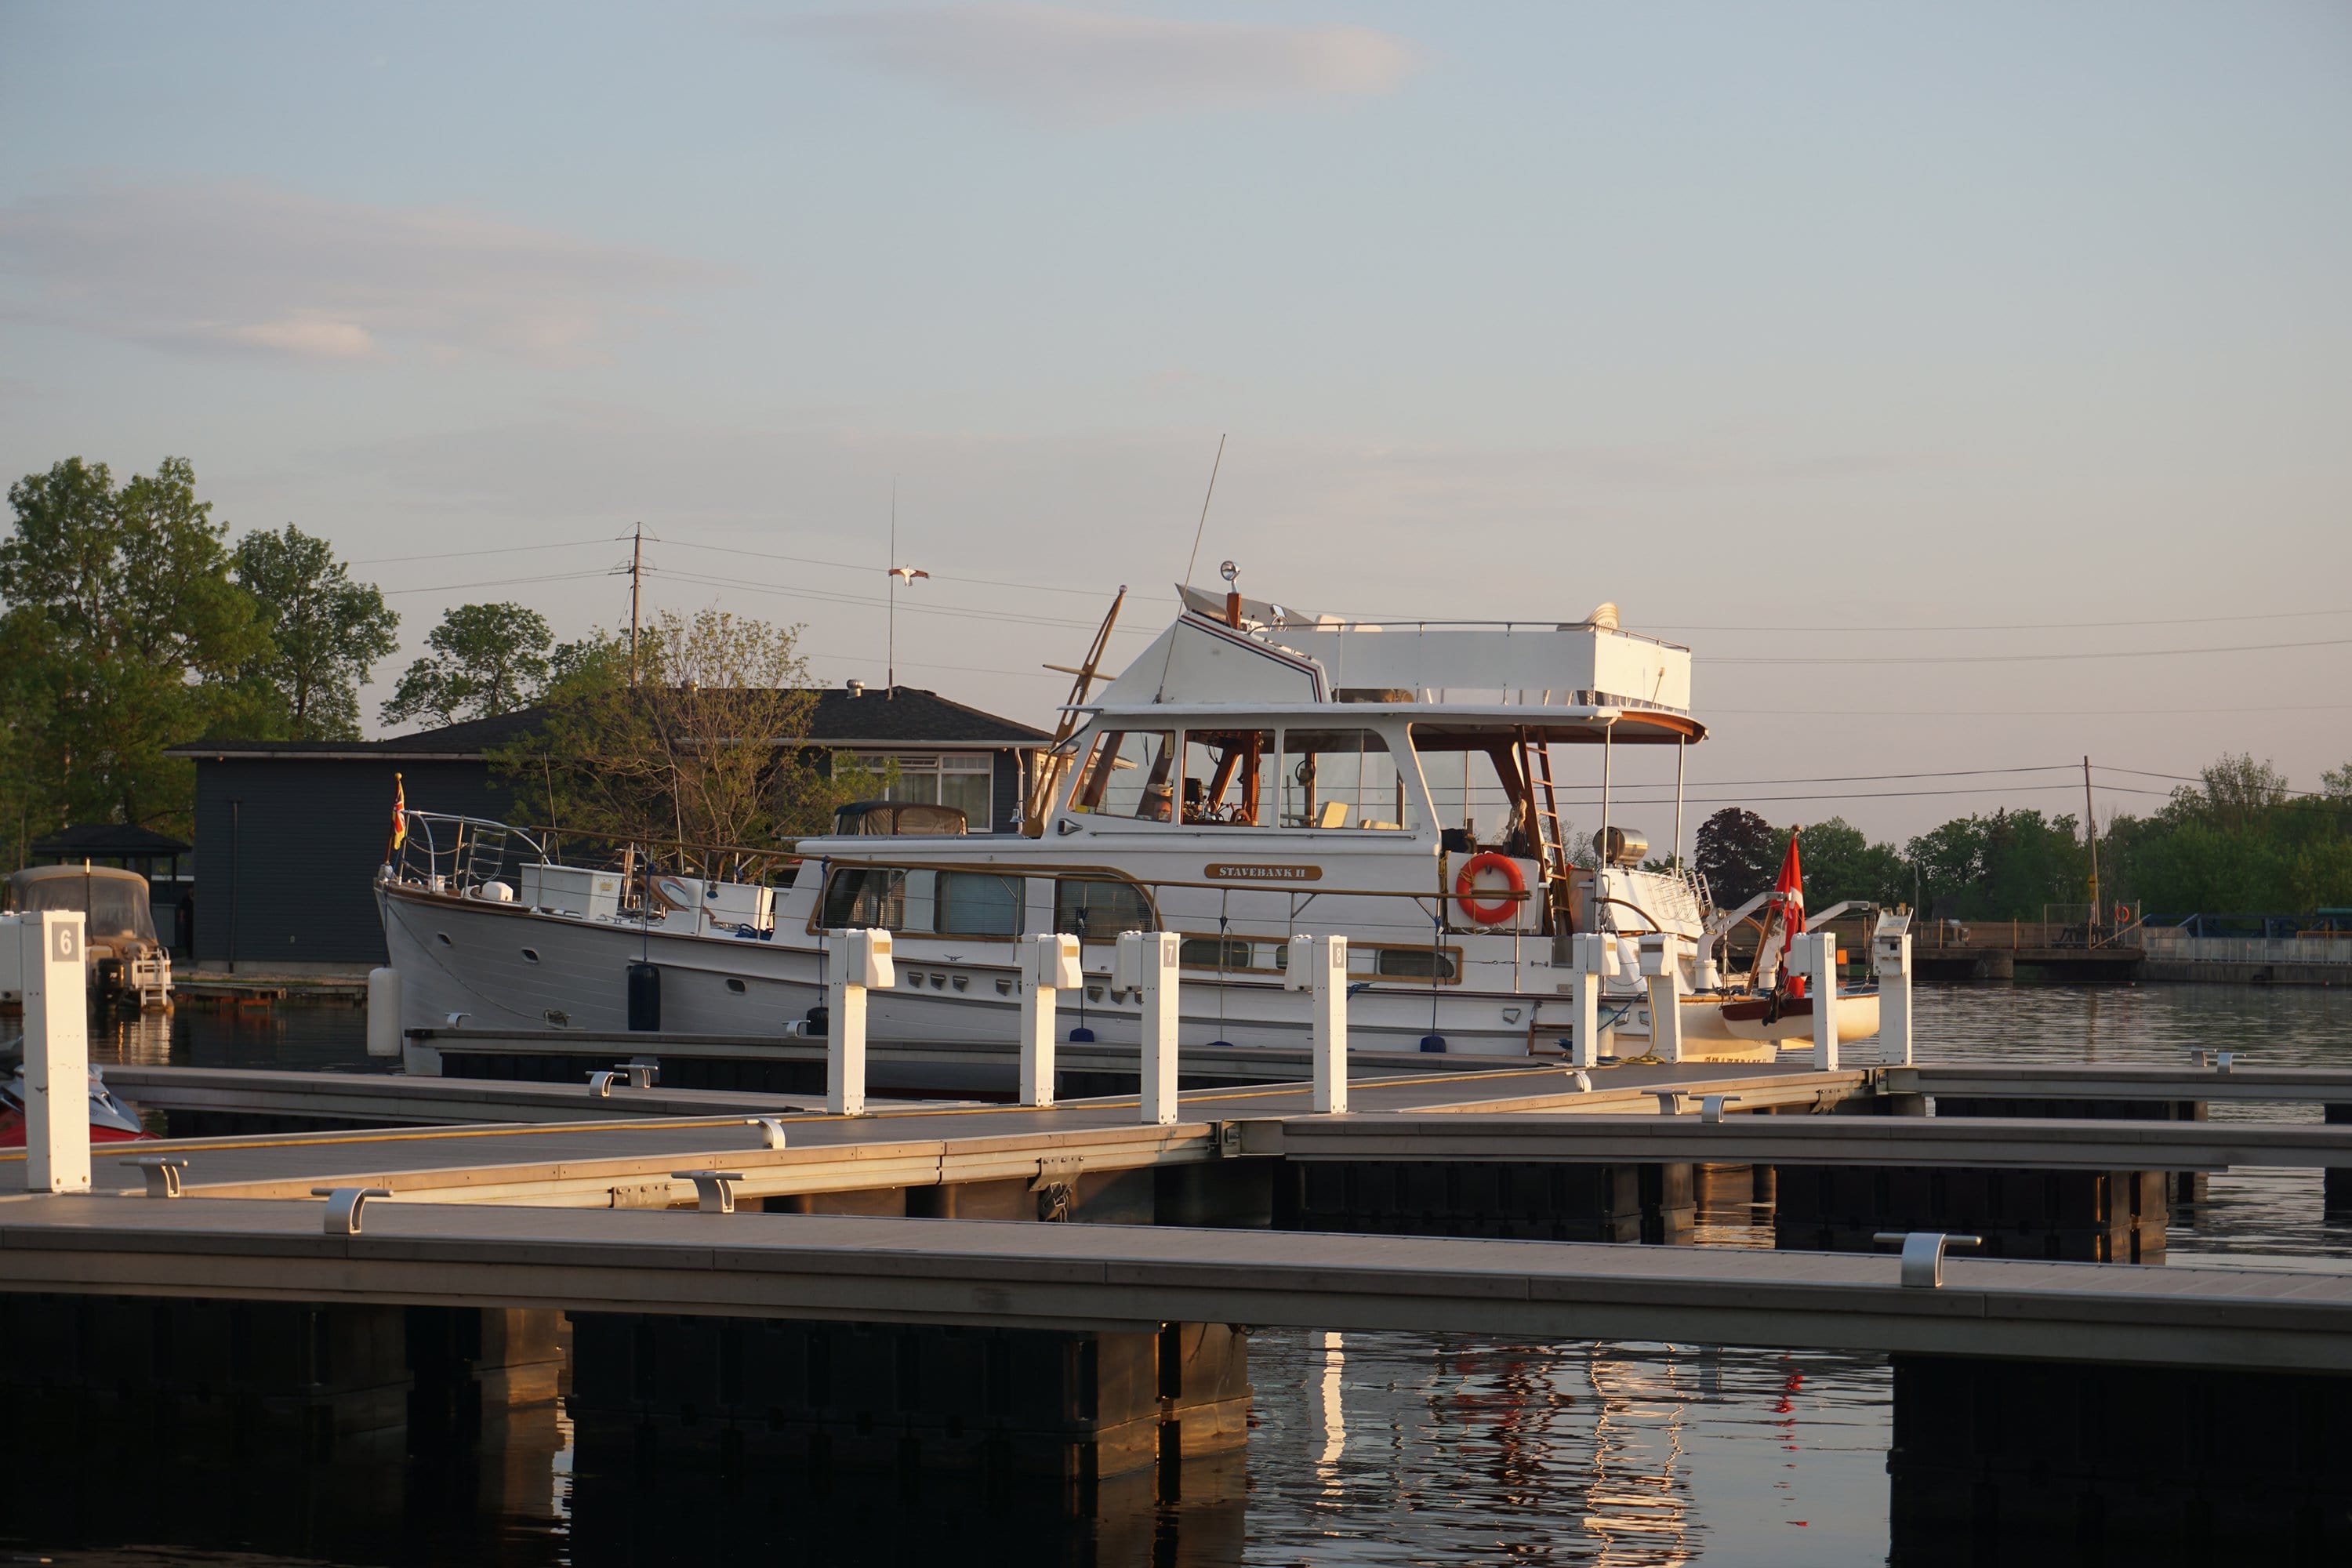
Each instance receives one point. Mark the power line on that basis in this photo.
(495, 550)
(2031, 626)
(1619, 797)
(2017, 658)
(2027, 712)
(855, 567)
(828, 597)
(497, 583)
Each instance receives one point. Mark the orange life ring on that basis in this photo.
(1484, 913)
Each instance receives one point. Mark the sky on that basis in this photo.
(1969, 386)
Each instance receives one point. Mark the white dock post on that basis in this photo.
(1661, 965)
(1052, 967)
(383, 1012)
(57, 1051)
(857, 960)
(1890, 952)
(1822, 973)
(1584, 1005)
(1319, 966)
(1145, 962)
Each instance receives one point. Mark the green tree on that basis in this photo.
(486, 659)
(121, 607)
(708, 746)
(1839, 862)
(1738, 854)
(325, 633)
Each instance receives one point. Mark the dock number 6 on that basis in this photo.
(68, 945)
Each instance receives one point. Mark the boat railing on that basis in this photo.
(459, 854)
(712, 862)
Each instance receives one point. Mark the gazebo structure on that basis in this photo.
(113, 844)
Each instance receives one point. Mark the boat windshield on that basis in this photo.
(114, 902)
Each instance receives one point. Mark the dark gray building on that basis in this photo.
(289, 833)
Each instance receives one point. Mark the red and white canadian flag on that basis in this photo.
(1785, 912)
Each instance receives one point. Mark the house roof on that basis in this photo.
(902, 716)
(118, 839)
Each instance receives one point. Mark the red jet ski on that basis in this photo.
(112, 1119)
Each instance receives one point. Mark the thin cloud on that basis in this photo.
(211, 267)
(1046, 62)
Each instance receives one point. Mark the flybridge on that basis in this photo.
(1248, 651)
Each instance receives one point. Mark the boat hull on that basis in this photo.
(504, 966)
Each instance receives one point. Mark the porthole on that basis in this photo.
(735, 985)
(530, 956)
(443, 938)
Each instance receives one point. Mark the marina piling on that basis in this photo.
(1319, 966)
(1661, 965)
(56, 1050)
(1051, 967)
(1821, 966)
(856, 960)
(1890, 953)
(1146, 963)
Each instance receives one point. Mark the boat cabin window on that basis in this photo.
(1214, 952)
(1475, 784)
(1097, 909)
(1131, 774)
(1231, 777)
(1342, 778)
(924, 903)
(1413, 964)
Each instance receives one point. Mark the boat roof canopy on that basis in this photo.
(1437, 727)
(1576, 670)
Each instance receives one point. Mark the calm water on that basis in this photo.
(1365, 1448)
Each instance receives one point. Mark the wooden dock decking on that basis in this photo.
(1068, 1277)
(580, 1163)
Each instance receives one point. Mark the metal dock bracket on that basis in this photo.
(163, 1173)
(344, 1205)
(1710, 1106)
(772, 1129)
(1923, 1254)
(714, 1191)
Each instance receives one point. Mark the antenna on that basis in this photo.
(1202, 526)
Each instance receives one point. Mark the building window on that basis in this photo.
(964, 780)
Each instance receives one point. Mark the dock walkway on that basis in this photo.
(1092, 1276)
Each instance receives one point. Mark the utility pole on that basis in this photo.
(636, 587)
(2091, 833)
(890, 645)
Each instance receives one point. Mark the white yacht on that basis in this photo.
(1254, 773)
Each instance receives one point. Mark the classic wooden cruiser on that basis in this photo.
(1255, 773)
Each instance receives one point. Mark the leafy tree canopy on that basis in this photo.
(325, 633)
(708, 746)
(1738, 854)
(486, 659)
(123, 630)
